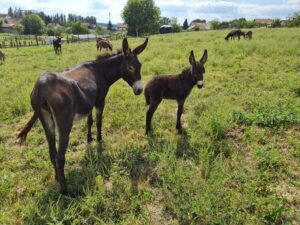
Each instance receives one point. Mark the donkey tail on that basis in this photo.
(23, 134)
(36, 98)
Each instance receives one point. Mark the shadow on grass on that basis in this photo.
(142, 169)
(183, 147)
(52, 205)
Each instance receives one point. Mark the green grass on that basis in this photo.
(237, 161)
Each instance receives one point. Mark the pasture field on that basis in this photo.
(236, 162)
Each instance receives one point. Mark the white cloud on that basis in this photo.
(190, 9)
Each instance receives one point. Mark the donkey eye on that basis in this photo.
(131, 69)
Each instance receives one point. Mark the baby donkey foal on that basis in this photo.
(174, 87)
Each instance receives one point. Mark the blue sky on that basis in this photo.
(190, 9)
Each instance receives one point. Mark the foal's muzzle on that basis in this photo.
(137, 87)
(200, 84)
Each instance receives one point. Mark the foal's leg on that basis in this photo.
(152, 108)
(89, 125)
(49, 127)
(179, 113)
(64, 133)
(100, 108)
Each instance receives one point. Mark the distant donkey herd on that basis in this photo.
(60, 98)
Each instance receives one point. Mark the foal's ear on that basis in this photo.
(125, 46)
(204, 57)
(192, 58)
(141, 48)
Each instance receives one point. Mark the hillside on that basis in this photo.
(236, 162)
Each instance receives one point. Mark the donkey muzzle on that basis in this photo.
(137, 87)
(200, 84)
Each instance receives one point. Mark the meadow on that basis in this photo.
(237, 160)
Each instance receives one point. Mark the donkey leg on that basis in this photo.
(179, 113)
(89, 125)
(49, 127)
(152, 108)
(64, 134)
(100, 108)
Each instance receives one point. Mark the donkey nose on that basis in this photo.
(200, 84)
(137, 87)
(139, 91)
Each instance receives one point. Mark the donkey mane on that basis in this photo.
(107, 55)
(104, 56)
(185, 73)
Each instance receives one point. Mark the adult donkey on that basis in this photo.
(104, 44)
(234, 33)
(57, 45)
(59, 98)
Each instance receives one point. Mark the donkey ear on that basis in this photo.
(192, 58)
(138, 50)
(125, 46)
(204, 57)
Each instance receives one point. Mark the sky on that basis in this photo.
(223, 10)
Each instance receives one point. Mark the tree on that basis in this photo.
(175, 25)
(214, 24)
(79, 28)
(294, 21)
(238, 23)
(276, 23)
(20, 29)
(141, 16)
(198, 21)
(109, 26)
(185, 24)
(164, 21)
(33, 24)
(10, 12)
(99, 30)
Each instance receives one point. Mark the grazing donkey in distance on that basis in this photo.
(234, 33)
(58, 98)
(104, 44)
(57, 45)
(2, 56)
(174, 87)
(248, 35)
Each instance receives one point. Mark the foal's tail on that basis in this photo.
(36, 99)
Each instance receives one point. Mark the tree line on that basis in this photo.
(61, 19)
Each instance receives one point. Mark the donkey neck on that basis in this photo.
(187, 77)
(109, 68)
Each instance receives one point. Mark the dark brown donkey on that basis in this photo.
(59, 98)
(104, 44)
(174, 87)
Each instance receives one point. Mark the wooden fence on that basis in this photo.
(30, 40)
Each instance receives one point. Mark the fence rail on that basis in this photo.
(30, 41)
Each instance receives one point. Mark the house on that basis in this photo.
(198, 25)
(264, 22)
(8, 24)
(122, 26)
